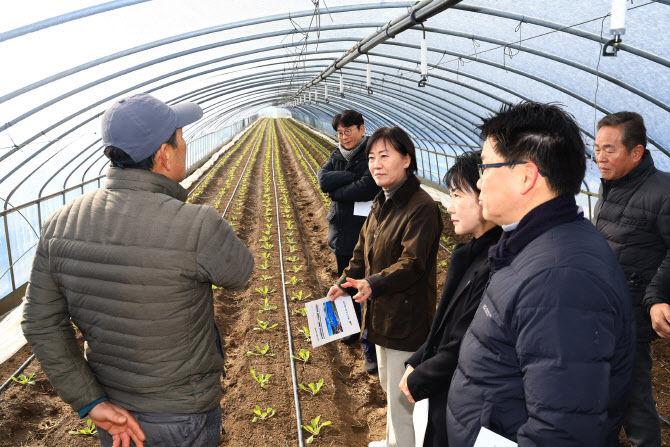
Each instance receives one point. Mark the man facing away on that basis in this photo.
(346, 178)
(548, 358)
(633, 213)
(132, 266)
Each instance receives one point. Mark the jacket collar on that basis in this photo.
(139, 180)
(402, 195)
(357, 150)
(644, 169)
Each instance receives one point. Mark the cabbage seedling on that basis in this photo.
(314, 428)
(264, 351)
(303, 356)
(265, 307)
(262, 415)
(305, 331)
(23, 380)
(89, 430)
(260, 378)
(300, 296)
(293, 280)
(297, 268)
(267, 246)
(266, 277)
(265, 290)
(264, 265)
(314, 388)
(264, 325)
(302, 311)
(293, 259)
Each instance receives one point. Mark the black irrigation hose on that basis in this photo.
(296, 399)
(17, 372)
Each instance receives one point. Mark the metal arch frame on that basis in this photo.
(562, 28)
(548, 56)
(436, 113)
(508, 69)
(64, 18)
(273, 86)
(447, 118)
(192, 34)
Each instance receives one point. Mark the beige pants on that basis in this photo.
(399, 426)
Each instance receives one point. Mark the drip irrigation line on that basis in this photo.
(294, 377)
(17, 372)
(251, 155)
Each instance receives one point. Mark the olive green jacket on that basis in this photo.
(133, 266)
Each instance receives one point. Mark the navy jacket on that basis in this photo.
(548, 358)
(346, 182)
(633, 213)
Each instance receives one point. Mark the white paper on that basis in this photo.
(487, 438)
(331, 320)
(420, 420)
(362, 208)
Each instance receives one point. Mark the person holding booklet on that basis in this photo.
(394, 270)
(430, 369)
(346, 179)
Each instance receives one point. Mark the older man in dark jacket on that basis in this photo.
(132, 266)
(548, 358)
(346, 179)
(633, 213)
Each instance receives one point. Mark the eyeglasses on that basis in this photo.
(346, 132)
(483, 167)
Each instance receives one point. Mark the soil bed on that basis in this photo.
(34, 416)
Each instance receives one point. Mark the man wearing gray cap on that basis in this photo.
(132, 266)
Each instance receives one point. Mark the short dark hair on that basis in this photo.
(120, 159)
(463, 175)
(544, 134)
(398, 139)
(633, 131)
(347, 118)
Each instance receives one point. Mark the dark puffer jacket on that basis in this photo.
(133, 266)
(346, 182)
(548, 358)
(633, 213)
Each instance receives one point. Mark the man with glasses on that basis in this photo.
(633, 213)
(346, 179)
(548, 357)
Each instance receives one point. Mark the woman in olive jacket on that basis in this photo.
(394, 269)
(429, 370)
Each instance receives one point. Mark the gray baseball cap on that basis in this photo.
(140, 124)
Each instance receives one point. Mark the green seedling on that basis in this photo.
(289, 225)
(260, 378)
(267, 233)
(305, 332)
(292, 248)
(264, 239)
(89, 430)
(265, 290)
(297, 268)
(262, 415)
(300, 296)
(264, 325)
(303, 356)
(302, 311)
(288, 234)
(264, 265)
(266, 255)
(265, 307)
(266, 277)
(23, 380)
(293, 259)
(445, 239)
(314, 428)
(267, 246)
(289, 240)
(314, 388)
(443, 263)
(264, 351)
(293, 280)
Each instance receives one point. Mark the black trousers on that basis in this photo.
(641, 422)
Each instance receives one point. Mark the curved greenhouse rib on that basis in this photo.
(64, 18)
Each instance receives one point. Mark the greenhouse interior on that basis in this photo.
(269, 77)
